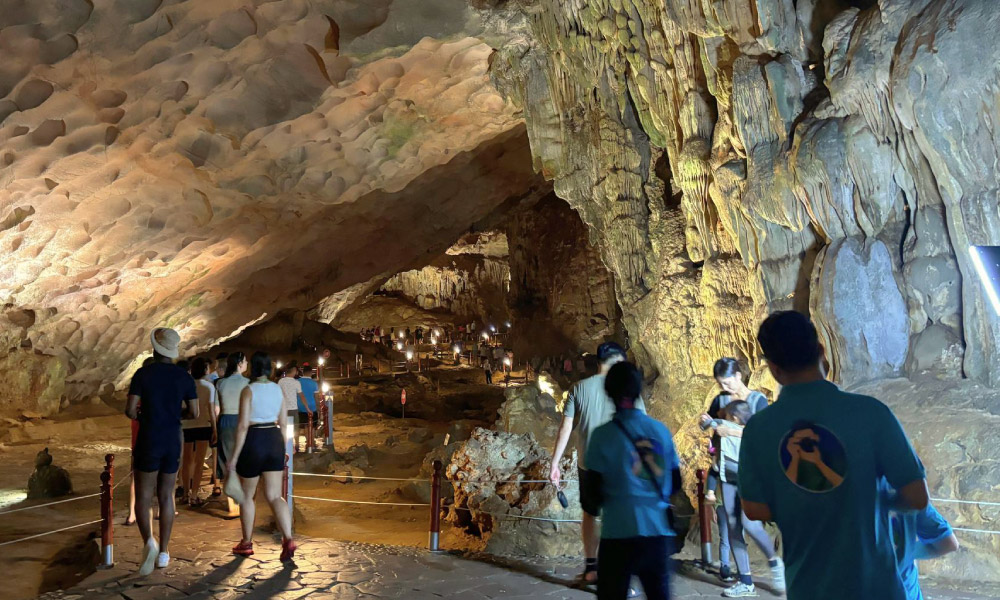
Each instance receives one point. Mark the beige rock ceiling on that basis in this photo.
(203, 164)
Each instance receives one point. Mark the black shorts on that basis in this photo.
(304, 419)
(263, 451)
(197, 434)
(150, 456)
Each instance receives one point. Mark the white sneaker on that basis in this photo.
(149, 557)
(740, 590)
(778, 577)
(162, 560)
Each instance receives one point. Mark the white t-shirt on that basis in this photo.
(290, 390)
(206, 405)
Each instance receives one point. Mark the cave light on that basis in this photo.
(456, 349)
(508, 324)
(278, 364)
(486, 336)
(400, 335)
(326, 388)
(506, 361)
(492, 328)
(409, 355)
(989, 279)
(399, 346)
(321, 361)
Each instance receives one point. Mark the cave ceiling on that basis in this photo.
(202, 165)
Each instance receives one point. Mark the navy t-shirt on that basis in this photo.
(162, 389)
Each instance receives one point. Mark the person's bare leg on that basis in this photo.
(145, 484)
(198, 458)
(248, 509)
(187, 467)
(165, 493)
(131, 496)
(272, 490)
(591, 540)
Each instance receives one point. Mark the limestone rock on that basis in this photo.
(488, 498)
(528, 411)
(859, 311)
(48, 480)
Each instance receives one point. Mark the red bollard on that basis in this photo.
(107, 512)
(435, 531)
(284, 480)
(705, 520)
(310, 434)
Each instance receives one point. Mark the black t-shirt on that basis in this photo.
(162, 389)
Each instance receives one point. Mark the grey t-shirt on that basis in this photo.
(589, 407)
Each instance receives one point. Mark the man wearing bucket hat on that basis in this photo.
(167, 394)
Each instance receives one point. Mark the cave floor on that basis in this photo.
(203, 568)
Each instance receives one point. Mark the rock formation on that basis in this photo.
(48, 480)
(486, 472)
(203, 165)
(736, 157)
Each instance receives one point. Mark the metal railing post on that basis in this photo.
(107, 512)
(433, 543)
(705, 521)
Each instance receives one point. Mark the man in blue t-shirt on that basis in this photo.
(632, 468)
(812, 462)
(917, 535)
(309, 390)
(167, 394)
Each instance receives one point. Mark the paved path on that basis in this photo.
(203, 569)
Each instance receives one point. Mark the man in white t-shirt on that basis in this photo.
(291, 391)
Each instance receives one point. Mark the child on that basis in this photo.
(736, 414)
(917, 535)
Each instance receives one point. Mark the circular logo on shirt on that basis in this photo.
(651, 453)
(813, 458)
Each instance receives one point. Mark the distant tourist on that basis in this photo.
(230, 387)
(812, 463)
(198, 433)
(587, 408)
(632, 469)
(260, 452)
(167, 394)
(307, 402)
(291, 390)
(221, 360)
(488, 370)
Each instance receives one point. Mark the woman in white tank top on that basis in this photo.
(260, 452)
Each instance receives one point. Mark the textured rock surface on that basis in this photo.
(201, 165)
(487, 470)
(561, 293)
(954, 429)
(731, 158)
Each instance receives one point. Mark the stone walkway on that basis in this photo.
(203, 569)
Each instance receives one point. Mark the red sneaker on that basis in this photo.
(287, 550)
(243, 549)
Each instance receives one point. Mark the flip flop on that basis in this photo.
(128, 523)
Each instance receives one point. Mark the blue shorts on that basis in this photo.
(150, 456)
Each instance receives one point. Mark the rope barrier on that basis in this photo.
(31, 537)
(7, 512)
(982, 502)
(510, 516)
(968, 530)
(356, 477)
(360, 501)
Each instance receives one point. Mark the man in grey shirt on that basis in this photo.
(587, 408)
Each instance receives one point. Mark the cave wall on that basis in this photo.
(561, 293)
(736, 157)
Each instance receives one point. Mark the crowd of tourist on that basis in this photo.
(833, 471)
(180, 409)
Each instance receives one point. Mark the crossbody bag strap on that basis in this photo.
(645, 466)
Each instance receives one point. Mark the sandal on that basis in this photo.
(128, 523)
(243, 549)
(196, 502)
(216, 492)
(589, 567)
(287, 551)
